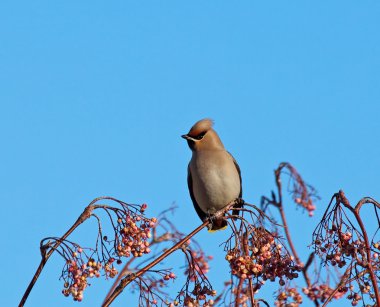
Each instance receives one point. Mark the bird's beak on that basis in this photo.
(185, 136)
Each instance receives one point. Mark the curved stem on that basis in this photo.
(45, 256)
(280, 207)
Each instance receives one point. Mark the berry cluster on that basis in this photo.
(243, 266)
(289, 297)
(302, 193)
(307, 203)
(132, 232)
(198, 295)
(337, 245)
(322, 292)
(375, 254)
(132, 235)
(265, 258)
(366, 289)
(150, 288)
(76, 274)
(109, 268)
(78, 282)
(354, 297)
(169, 276)
(196, 269)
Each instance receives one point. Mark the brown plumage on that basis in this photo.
(201, 126)
(214, 178)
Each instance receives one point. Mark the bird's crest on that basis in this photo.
(201, 126)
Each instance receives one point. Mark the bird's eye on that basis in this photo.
(200, 136)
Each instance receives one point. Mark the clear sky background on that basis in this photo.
(94, 96)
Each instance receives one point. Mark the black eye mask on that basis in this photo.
(200, 136)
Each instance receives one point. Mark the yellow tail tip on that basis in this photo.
(215, 230)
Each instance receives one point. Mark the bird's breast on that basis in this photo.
(215, 178)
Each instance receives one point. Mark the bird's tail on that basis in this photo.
(218, 224)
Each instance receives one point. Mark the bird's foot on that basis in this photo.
(217, 221)
(239, 202)
(212, 218)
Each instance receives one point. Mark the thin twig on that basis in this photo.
(251, 293)
(238, 291)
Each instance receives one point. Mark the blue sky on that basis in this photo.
(95, 95)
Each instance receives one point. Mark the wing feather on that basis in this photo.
(236, 212)
(200, 213)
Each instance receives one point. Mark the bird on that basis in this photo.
(213, 175)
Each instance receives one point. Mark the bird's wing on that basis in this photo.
(239, 172)
(236, 212)
(200, 213)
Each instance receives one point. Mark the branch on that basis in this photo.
(131, 277)
(48, 249)
(280, 207)
(46, 255)
(340, 284)
(356, 213)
